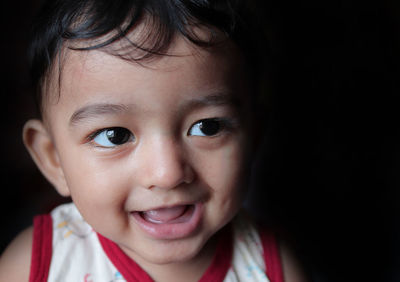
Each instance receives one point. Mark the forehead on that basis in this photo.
(87, 75)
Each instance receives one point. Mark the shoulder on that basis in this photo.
(16, 260)
(291, 266)
(280, 259)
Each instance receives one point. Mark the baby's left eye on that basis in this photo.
(207, 127)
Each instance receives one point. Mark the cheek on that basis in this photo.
(223, 171)
(224, 174)
(99, 194)
(93, 181)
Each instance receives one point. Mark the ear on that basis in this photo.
(42, 149)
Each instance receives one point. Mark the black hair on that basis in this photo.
(102, 22)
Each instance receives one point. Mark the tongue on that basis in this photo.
(164, 215)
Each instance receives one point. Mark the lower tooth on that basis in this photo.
(152, 220)
(148, 218)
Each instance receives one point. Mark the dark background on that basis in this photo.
(328, 177)
(24, 191)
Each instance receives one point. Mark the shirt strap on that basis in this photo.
(272, 256)
(41, 248)
(221, 262)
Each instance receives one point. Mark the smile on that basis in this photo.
(170, 223)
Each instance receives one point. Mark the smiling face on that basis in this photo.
(153, 156)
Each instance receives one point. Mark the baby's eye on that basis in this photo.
(112, 137)
(207, 127)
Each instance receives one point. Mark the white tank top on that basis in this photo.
(66, 248)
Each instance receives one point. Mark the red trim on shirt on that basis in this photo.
(272, 257)
(128, 268)
(221, 262)
(132, 272)
(41, 248)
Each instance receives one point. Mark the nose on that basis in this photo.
(163, 164)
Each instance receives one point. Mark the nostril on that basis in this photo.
(170, 175)
(189, 174)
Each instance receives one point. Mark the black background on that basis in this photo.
(328, 177)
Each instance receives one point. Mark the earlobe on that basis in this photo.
(41, 147)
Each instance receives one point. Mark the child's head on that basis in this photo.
(146, 111)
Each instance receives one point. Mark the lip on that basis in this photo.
(172, 230)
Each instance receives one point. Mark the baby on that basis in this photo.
(148, 123)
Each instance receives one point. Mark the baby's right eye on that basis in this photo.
(112, 137)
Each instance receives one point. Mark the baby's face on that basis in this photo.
(153, 156)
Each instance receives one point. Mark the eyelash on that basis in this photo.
(224, 124)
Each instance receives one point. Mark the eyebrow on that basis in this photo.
(93, 110)
(216, 99)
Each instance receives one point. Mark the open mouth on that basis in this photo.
(171, 222)
(177, 214)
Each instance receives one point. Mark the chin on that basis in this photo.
(163, 258)
(175, 252)
(170, 259)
